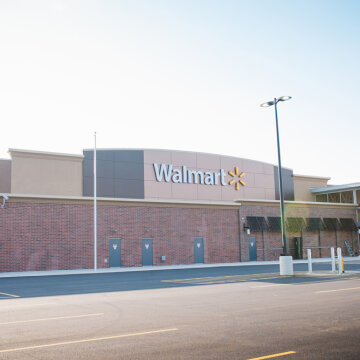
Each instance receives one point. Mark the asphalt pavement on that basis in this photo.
(209, 313)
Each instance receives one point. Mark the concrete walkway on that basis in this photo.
(162, 267)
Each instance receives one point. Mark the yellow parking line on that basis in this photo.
(327, 291)
(11, 295)
(52, 318)
(88, 340)
(273, 355)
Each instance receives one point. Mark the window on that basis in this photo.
(347, 197)
(275, 223)
(334, 197)
(321, 198)
(257, 223)
(348, 224)
(296, 224)
(331, 224)
(314, 224)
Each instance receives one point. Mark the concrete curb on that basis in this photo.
(157, 268)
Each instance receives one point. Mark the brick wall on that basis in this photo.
(49, 235)
(269, 245)
(43, 236)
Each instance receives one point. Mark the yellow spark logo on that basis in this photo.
(236, 181)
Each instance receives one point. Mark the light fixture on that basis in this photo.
(267, 104)
(284, 98)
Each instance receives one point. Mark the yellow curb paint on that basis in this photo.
(273, 355)
(11, 295)
(52, 318)
(88, 340)
(328, 291)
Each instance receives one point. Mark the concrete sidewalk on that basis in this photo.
(162, 267)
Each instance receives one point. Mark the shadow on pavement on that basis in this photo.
(27, 287)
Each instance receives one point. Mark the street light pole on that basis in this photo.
(282, 206)
(283, 233)
(95, 208)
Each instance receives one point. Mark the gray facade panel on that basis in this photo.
(88, 186)
(105, 169)
(5, 176)
(129, 189)
(120, 173)
(133, 156)
(105, 187)
(100, 154)
(88, 167)
(129, 171)
(288, 183)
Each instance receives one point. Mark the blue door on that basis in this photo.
(199, 250)
(114, 253)
(252, 249)
(147, 252)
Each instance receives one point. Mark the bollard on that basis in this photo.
(340, 261)
(309, 261)
(333, 267)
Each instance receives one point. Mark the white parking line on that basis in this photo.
(51, 318)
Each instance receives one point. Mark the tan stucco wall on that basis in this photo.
(43, 173)
(259, 177)
(303, 184)
(5, 176)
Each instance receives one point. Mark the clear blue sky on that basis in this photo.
(187, 75)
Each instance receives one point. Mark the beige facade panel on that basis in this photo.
(303, 184)
(219, 178)
(5, 176)
(209, 192)
(46, 173)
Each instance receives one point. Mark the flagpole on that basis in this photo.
(95, 208)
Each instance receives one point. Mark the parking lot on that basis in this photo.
(213, 313)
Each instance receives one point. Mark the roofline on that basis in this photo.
(237, 203)
(311, 177)
(124, 200)
(36, 152)
(300, 203)
(335, 188)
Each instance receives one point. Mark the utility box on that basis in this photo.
(298, 247)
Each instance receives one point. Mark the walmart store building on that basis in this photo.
(162, 207)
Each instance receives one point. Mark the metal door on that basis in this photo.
(114, 253)
(199, 250)
(252, 249)
(147, 252)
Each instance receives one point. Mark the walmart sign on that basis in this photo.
(184, 175)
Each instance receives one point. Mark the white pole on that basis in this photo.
(309, 261)
(339, 258)
(333, 268)
(95, 208)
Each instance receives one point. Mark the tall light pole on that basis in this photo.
(283, 233)
(95, 208)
